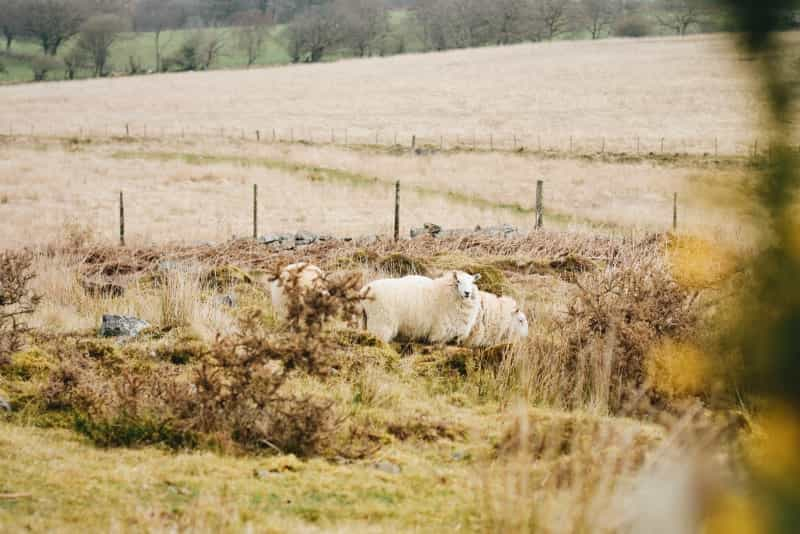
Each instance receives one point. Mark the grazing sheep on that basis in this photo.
(437, 310)
(308, 277)
(499, 321)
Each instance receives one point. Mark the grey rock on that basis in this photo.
(5, 405)
(460, 455)
(387, 467)
(268, 239)
(326, 237)
(504, 230)
(431, 229)
(122, 326)
(305, 238)
(347, 239)
(228, 299)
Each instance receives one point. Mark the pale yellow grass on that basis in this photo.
(629, 195)
(176, 201)
(687, 90)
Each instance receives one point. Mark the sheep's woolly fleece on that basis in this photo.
(437, 310)
(308, 277)
(499, 321)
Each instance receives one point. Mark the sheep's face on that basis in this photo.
(520, 323)
(465, 284)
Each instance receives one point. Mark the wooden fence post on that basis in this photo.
(255, 211)
(637, 145)
(397, 210)
(515, 141)
(603, 146)
(258, 135)
(121, 220)
(716, 147)
(274, 135)
(539, 204)
(376, 137)
(441, 142)
(674, 212)
(413, 142)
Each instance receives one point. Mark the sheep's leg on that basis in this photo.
(384, 332)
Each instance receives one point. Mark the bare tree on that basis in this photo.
(364, 23)
(680, 15)
(251, 34)
(509, 20)
(552, 17)
(97, 35)
(316, 30)
(455, 23)
(157, 16)
(41, 65)
(596, 16)
(11, 20)
(210, 48)
(75, 59)
(52, 22)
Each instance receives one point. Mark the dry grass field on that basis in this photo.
(687, 90)
(202, 191)
(620, 412)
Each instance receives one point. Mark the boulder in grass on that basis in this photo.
(303, 238)
(122, 326)
(5, 405)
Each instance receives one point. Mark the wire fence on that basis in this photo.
(483, 141)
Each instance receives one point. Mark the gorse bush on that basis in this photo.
(234, 397)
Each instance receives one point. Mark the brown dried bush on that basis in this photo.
(16, 301)
(618, 315)
(233, 398)
(595, 355)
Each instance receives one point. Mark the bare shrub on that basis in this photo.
(16, 301)
(42, 65)
(596, 355)
(235, 397)
(632, 26)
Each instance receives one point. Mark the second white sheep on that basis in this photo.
(499, 321)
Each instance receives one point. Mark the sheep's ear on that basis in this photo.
(476, 277)
(455, 276)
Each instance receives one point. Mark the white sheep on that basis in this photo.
(308, 277)
(437, 310)
(499, 321)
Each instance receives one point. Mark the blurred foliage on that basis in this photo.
(769, 329)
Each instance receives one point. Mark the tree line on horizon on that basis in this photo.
(78, 35)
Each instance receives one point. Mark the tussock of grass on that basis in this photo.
(398, 265)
